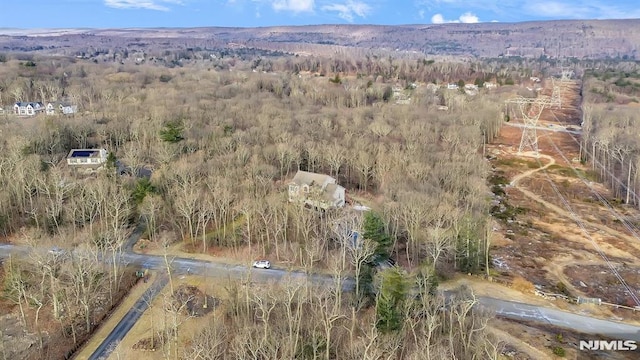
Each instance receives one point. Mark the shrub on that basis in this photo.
(559, 351)
(523, 285)
(172, 132)
(336, 79)
(165, 78)
(562, 288)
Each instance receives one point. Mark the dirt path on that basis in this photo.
(632, 240)
(556, 268)
(577, 228)
(525, 174)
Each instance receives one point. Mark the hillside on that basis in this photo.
(567, 38)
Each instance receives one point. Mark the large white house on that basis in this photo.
(61, 107)
(316, 190)
(27, 108)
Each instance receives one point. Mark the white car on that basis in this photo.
(262, 264)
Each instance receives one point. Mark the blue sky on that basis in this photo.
(250, 13)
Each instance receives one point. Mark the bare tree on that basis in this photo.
(335, 157)
(330, 312)
(55, 189)
(186, 197)
(210, 343)
(150, 212)
(16, 287)
(176, 307)
(87, 279)
(134, 156)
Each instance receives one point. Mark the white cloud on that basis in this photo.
(466, 18)
(421, 14)
(437, 19)
(296, 6)
(160, 5)
(349, 9)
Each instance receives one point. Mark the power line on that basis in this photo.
(531, 118)
(580, 223)
(632, 228)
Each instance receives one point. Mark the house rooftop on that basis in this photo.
(25, 103)
(309, 178)
(329, 192)
(84, 153)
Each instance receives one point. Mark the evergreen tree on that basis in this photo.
(391, 299)
(375, 229)
(172, 132)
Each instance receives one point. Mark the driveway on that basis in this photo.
(120, 331)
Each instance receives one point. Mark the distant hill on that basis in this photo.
(565, 38)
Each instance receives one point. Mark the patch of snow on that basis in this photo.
(361, 208)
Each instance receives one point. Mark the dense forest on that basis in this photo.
(221, 145)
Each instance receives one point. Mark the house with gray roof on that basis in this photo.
(27, 108)
(316, 190)
(61, 107)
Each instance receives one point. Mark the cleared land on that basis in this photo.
(564, 223)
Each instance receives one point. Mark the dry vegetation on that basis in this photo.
(222, 146)
(558, 224)
(293, 319)
(222, 138)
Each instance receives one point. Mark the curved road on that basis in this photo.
(508, 309)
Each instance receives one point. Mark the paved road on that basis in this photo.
(180, 265)
(133, 238)
(504, 308)
(126, 323)
(580, 323)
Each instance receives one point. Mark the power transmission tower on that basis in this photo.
(558, 87)
(556, 94)
(566, 75)
(530, 110)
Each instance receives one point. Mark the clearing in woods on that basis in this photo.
(554, 225)
(553, 229)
